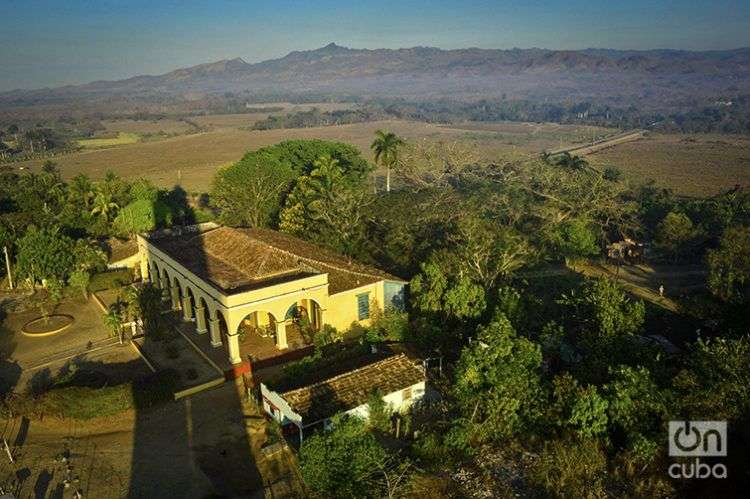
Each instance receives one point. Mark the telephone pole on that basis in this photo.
(7, 267)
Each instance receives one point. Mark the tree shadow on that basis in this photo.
(10, 371)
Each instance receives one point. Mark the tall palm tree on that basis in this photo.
(385, 146)
(103, 205)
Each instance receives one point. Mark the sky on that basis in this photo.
(50, 43)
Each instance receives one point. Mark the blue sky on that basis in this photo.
(49, 43)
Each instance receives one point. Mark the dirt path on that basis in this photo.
(644, 281)
(584, 149)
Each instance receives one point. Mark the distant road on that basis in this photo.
(601, 144)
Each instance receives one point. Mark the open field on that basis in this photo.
(244, 120)
(222, 121)
(148, 126)
(122, 138)
(193, 159)
(691, 165)
(534, 137)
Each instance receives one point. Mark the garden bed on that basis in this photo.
(175, 353)
(47, 326)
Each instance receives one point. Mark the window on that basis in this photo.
(363, 306)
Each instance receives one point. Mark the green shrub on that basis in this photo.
(67, 401)
(570, 469)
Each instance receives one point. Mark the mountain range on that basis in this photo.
(611, 76)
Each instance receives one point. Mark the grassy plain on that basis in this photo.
(122, 138)
(142, 127)
(691, 165)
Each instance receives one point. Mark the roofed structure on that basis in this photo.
(235, 260)
(352, 389)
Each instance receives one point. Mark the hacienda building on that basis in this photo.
(258, 292)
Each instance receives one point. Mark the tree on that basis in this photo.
(44, 254)
(328, 208)
(251, 191)
(142, 215)
(385, 147)
(428, 164)
(498, 383)
(675, 235)
(344, 462)
(103, 205)
(79, 280)
(54, 295)
(575, 238)
(150, 306)
(637, 407)
(589, 413)
(113, 320)
(571, 162)
(612, 173)
(487, 251)
(602, 308)
(436, 290)
(729, 265)
(715, 383)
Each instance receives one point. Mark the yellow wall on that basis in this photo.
(343, 309)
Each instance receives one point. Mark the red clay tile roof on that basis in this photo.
(120, 249)
(352, 389)
(235, 260)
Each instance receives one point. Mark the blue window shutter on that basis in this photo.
(363, 306)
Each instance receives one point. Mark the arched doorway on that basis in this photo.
(303, 318)
(257, 335)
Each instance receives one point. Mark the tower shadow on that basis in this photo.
(198, 446)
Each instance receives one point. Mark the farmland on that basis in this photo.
(691, 165)
(192, 159)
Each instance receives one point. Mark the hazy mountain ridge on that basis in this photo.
(602, 74)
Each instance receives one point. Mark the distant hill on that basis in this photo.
(617, 77)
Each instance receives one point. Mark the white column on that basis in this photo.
(200, 319)
(187, 308)
(234, 349)
(175, 297)
(281, 343)
(214, 332)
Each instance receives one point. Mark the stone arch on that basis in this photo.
(305, 312)
(223, 328)
(261, 322)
